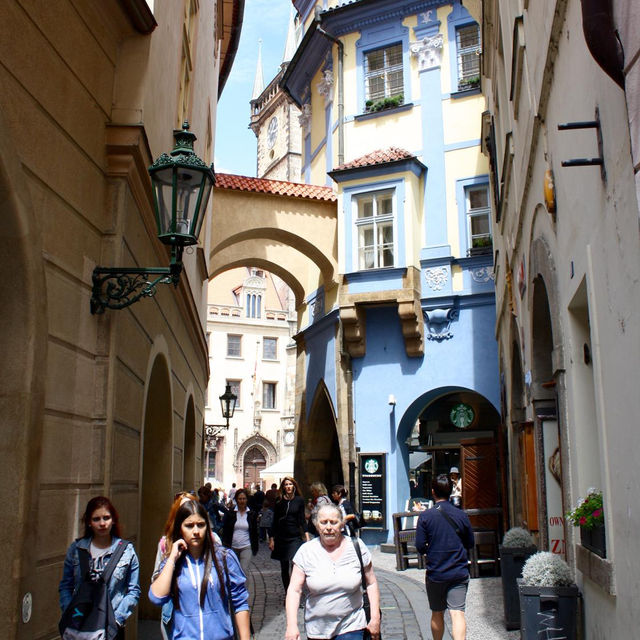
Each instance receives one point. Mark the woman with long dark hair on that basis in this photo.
(100, 539)
(205, 582)
(240, 529)
(289, 528)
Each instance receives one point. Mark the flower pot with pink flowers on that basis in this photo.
(589, 516)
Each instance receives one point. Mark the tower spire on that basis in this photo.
(290, 46)
(258, 82)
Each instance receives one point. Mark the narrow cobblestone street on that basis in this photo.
(405, 614)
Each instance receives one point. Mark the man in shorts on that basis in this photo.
(444, 533)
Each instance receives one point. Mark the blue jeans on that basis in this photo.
(350, 635)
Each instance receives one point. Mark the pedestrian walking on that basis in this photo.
(333, 568)
(444, 533)
(100, 541)
(349, 515)
(289, 527)
(204, 581)
(240, 530)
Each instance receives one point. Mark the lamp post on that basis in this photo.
(228, 405)
(182, 184)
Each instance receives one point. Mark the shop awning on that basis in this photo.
(283, 467)
(418, 458)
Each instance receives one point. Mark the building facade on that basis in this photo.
(398, 378)
(561, 135)
(250, 327)
(111, 403)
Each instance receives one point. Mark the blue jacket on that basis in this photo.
(446, 552)
(215, 622)
(124, 587)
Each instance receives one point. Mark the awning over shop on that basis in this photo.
(418, 458)
(283, 467)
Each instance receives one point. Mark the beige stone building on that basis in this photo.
(567, 259)
(96, 404)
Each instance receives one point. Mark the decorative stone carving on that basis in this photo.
(436, 277)
(483, 274)
(428, 51)
(325, 86)
(305, 119)
(439, 323)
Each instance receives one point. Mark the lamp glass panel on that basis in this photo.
(207, 184)
(163, 185)
(187, 189)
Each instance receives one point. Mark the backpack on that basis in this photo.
(90, 615)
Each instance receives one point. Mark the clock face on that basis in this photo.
(462, 415)
(272, 132)
(288, 437)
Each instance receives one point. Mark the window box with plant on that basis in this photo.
(589, 516)
(373, 106)
(467, 84)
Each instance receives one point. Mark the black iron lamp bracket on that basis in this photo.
(587, 162)
(213, 430)
(120, 287)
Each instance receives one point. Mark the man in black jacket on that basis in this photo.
(444, 533)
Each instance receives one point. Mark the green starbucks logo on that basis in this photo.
(462, 415)
(371, 465)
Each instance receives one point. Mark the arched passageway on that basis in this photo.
(156, 490)
(189, 479)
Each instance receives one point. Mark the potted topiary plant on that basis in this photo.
(548, 598)
(517, 546)
(589, 516)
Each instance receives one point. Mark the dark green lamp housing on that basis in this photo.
(182, 184)
(228, 403)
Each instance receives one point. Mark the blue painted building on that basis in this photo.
(398, 364)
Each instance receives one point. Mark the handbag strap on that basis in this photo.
(84, 556)
(356, 546)
(449, 519)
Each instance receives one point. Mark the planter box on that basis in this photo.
(512, 560)
(548, 612)
(594, 540)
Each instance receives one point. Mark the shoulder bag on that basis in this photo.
(366, 605)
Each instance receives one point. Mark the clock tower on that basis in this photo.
(274, 120)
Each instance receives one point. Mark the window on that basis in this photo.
(234, 346)
(374, 224)
(468, 51)
(235, 388)
(383, 73)
(268, 395)
(270, 349)
(478, 218)
(254, 305)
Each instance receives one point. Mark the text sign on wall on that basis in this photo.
(373, 479)
(553, 484)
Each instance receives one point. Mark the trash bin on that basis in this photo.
(512, 560)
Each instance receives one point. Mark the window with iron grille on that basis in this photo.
(374, 225)
(383, 73)
(268, 395)
(468, 50)
(234, 346)
(270, 349)
(478, 217)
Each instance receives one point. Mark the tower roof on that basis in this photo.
(258, 82)
(290, 45)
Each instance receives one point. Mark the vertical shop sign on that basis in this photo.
(373, 480)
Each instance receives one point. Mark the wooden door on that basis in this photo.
(254, 463)
(480, 482)
(529, 485)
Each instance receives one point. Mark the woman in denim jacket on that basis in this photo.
(101, 536)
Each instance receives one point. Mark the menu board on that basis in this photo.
(373, 480)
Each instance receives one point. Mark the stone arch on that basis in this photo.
(256, 440)
(317, 457)
(156, 487)
(189, 479)
(23, 344)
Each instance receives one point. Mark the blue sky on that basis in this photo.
(235, 146)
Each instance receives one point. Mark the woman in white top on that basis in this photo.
(240, 529)
(330, 569)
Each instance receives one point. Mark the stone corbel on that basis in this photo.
(439, 323)
(353, 330)
(325, 86)
(305, 119)
(410, 314)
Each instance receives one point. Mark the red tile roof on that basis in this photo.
(381, 156)
(274, 187)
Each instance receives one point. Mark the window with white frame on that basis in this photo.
(270, 348)
(268, 395)
(254, 305)
(234, 346)
(478, 217)
(383, 73)
(468, 52)
(235, 389)
(374, 227)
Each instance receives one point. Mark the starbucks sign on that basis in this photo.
(372, 489)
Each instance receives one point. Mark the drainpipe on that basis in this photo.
(602, 38)
(340, 89)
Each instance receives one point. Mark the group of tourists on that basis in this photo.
(199, 577)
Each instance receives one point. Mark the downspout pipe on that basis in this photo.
(602, 38)
(340, 89)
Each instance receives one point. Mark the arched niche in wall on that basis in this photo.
(189, 480)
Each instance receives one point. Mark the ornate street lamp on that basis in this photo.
(182, 184)
(228, 405)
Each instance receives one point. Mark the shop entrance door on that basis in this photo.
(480, 483)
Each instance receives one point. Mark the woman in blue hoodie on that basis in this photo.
(201, 578)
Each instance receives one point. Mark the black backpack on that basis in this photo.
(90, 615)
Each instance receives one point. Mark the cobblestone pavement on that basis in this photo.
(405, 614)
